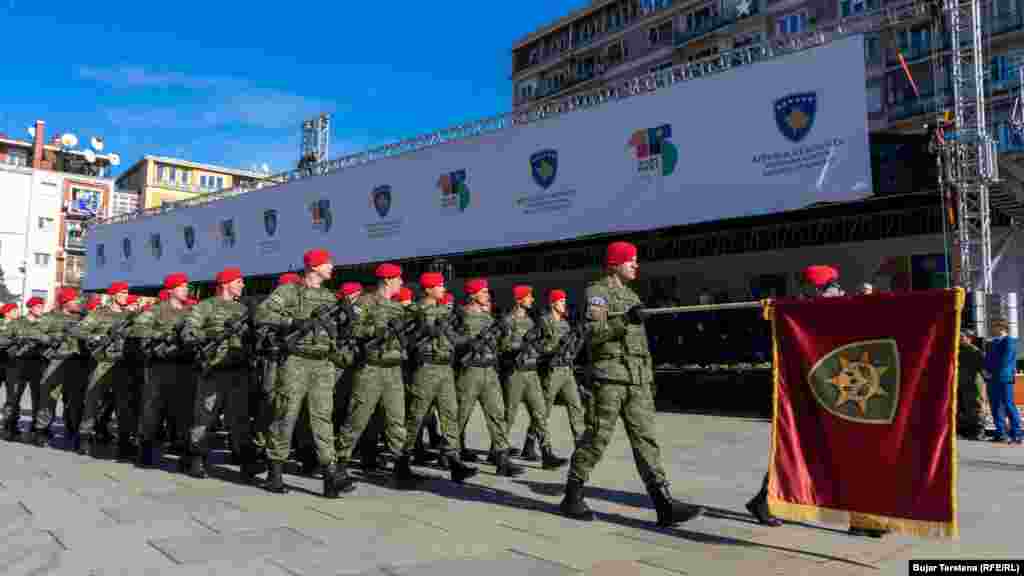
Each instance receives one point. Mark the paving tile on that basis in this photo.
(502, 564)
(239, 567)
(13, 516)
(238, 545)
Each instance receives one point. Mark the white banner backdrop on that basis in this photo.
(774, 136)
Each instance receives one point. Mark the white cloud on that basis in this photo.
(137, 77)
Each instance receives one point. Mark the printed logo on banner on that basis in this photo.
(544, 167)
(454, 191)
(654, 150)
(381, 199)
(190, 238)
(320, 211)
(795, 113)
(270, 228)
(126, 248)
(859, 381)
(101, 255)
(156, 247)
(227, 233)
(191, 245)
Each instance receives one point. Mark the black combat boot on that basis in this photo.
(459, 471)
(505, 467)
(39, 438)
(126, 451)
(275, 478)
(147, 455)
(492, 455)
(758, 507)
(549, 461)
(337, 481)
(10, 427)
(196, 464)
(529, 453)
(251, 466)
(83, 444)
(405, 478)
(443, 461)
(670, 511)
(468, 456)
(573, 504)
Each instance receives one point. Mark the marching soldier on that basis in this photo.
(620, 380)
(560, 346)
(169, 369)
(103, 331)
(433, 379)
(28, 362)
(306, 373)
(477, 339)
(64, 367)
(381, 321)
(521, 347)
(11, 410)
(220, 322)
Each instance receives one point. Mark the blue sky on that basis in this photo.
(229, 83)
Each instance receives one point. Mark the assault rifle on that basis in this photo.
(445, 326)
(206, 350)
(339, 312)
(531, 340)
(55, 343)
(112, 343)
(165, 346)
(571, 344)
(487, 337)
(407, 329)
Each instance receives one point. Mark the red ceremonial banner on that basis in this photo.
(865, 416)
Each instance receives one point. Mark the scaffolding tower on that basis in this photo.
(316, 136)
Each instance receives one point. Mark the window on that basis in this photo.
(791, 24)
(699, 19)
(184, 177)
(17, 157)
(852, 7)
(164, 173)
(45, 223)
(874, 96)
(872, 50)
(42, 259)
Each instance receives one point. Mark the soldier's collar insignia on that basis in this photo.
(598, 301)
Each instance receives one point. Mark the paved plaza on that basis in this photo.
(65, 514)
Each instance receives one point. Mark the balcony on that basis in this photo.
(715, 23)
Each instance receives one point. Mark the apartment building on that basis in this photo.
(614, 39)
(156, 180)
(49, 191)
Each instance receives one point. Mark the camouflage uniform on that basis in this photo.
(110, 370)
(225, 379)
(28, 368)
(478, 381)
(522, 382)
(378, 380)
(306, 373)
(170, 379)
(433, 380)
(559, 378)
(64, 372)
(9, 373)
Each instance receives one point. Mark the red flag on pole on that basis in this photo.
(864, 425)
(906, 70)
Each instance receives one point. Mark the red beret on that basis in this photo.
(289, 278)
(620, 253)
(316, 257)
(117, 287)
(132, 299)
(475, 285)
(820, 276)
(521, 291)
(228, 275)
(556, 295)
(431, 280)
(191, 302)
(7, 308)
(388, 270)
(34, 301)
(403, 295)
(350, 288)
(172, 281)
(165, 295)
(447, 299)
(93, 303)
(65, 295)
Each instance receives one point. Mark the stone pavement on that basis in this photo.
(68, 515)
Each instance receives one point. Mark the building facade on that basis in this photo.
(157, 180)
(615, 39)
(49, 192)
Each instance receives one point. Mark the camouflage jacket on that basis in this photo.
(6, 332)
(511, 344)
(59, 326)
(474, 323)
(207, 321)
(553, 333)
(95, 327)
(161, 322)
(293, 302)
(373, 315)
(438, 349)
(618, 349)
(29, 328)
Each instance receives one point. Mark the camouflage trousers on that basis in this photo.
(373, 385)
(24, 374)
(474, 385)
(259, 403)
(221, 389)
(62, 376)
(167, 385)
(523, 386)
(298, 379)
(561, 381)
(430, 383)
(605, 403)
(104, 376)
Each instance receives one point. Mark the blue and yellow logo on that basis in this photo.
(454, 190)
(794, 115)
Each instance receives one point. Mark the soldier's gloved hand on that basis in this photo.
(396, 324)
(635, 314)
(304, 325)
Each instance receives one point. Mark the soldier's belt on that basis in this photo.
(438, 360)
(384, 363)
(559, 365)
(310, 355)
(526, 367)
(480, 364)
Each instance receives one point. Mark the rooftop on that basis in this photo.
(573, 15)
(197, 165)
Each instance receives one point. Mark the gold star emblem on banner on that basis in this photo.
(858, 381)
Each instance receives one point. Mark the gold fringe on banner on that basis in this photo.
(808, 513)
